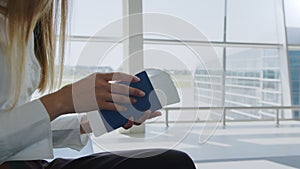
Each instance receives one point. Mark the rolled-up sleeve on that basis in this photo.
(66, 132)
(22, 127)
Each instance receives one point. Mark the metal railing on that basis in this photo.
(225, 109)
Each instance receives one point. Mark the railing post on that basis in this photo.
(277, 117)
(224, 118)
(167, 117)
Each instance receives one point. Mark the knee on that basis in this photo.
(179, 158)
(176, 154)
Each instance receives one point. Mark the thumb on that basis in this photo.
(129, 124)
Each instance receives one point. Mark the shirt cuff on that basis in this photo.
(66, 132)
(96, 123)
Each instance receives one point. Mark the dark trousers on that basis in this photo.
(137, 159)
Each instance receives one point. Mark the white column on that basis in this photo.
(133, 35)
(133, 43)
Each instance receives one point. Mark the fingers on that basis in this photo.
(120, 77)
(110, 90)
(95, 92)
(155, 114)
(124, 89)
(129, 124)
(111, 106)
(116, 98)
(107, 92)
(147, 115)
(143, 118)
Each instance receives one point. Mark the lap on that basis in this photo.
(136, 159)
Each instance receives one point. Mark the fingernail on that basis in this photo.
(136, 79)
(131, 118)
(142, 93)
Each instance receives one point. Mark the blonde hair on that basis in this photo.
(46, 19)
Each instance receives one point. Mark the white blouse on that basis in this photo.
(26, 132)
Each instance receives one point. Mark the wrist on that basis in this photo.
(53, 104)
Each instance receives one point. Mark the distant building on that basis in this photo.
(253, 79)
(294, 59)
(294, 69)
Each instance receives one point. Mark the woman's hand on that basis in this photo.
(92, 93)
(86, 128)
(147, 115)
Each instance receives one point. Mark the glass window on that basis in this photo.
(88, 17)
(83, 59)
(205, 15)
(188, 70)
(248, 76)
(86, 20)
(294, 69)
(292, 11)
(253, 21)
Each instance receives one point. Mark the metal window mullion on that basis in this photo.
(211, 43)
(286, 88)
(224, 64)
(76, 38)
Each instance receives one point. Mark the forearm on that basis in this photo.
(59, 103)
(53, 105)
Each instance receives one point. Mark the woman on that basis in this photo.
(30, 129)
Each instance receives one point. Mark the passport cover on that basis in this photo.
(113, 119)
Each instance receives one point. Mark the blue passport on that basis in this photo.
(113, 119)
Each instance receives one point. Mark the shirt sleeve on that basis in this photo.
(66, 132)
(96, 123)
(22, 127)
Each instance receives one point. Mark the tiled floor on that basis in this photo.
(239, 145)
